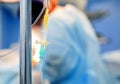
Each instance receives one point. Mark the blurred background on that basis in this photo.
(104, 15)
(109, 26)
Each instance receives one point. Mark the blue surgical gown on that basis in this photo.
(72, 55)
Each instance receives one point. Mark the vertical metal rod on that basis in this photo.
(25, 42)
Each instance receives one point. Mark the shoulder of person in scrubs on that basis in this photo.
(72, 57)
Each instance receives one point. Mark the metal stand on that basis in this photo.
(25, 42)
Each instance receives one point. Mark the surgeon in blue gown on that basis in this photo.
(72, 57)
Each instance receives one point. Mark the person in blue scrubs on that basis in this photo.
(72, 57)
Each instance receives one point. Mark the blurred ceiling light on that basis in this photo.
(9, 0)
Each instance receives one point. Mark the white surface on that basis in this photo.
(112, 62)
(9, 69)
(112, 57)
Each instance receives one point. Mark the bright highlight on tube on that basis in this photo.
(44, 42)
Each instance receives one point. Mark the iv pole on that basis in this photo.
(25, 42)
